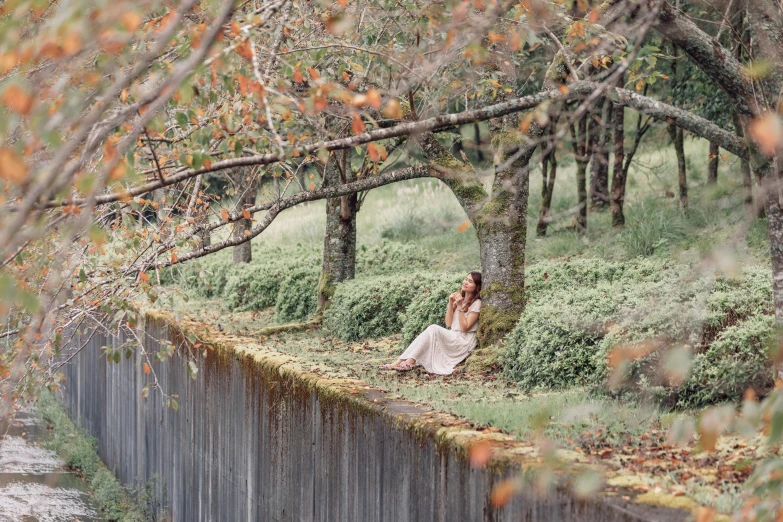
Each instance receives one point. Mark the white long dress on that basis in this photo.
(440, 350)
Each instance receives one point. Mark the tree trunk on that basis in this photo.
(246, 185)
(501, 228)
(581, 170)
(599, 169)
(676, 135)
(548, 163)
(618, 172)
(712, 166)
(747, 177)
(339, 256)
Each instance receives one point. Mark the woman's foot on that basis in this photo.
(390, 366)
(404, 366)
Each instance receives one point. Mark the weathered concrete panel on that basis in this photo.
(256, 439)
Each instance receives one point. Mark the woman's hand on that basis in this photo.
(458, 302)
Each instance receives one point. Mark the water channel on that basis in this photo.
(34, 483)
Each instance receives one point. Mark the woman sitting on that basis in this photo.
(439, 350)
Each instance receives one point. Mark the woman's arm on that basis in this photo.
(450, 310)
(467, 320)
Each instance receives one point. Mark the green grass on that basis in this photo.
(79, 452)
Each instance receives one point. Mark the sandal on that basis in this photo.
(404, 367)
(390, 366)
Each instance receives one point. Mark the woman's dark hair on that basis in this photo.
(477, 294)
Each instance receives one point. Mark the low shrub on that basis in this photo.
(373, 307)
(429, 306)
(297, 299)
(255, 286)
(645, 315)
(556, 339)
(391, 257)
(737, 360)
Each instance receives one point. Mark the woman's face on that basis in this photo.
(468, 285)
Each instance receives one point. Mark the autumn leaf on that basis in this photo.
(312, 186)
(704, 514)
(143, 276)
(593, 18)
(515, 41)
(372, 151)
(298, 78)
(463, 226)
(147, 369)
(131, 20)
(119, 170)
(246, 214)
(357, 124)
(767, 132)
(17, 99)
(174, 257)
(374, 99)
(502, 493)
(245, 51)
(479, 454)
(246, 232)
(314, 75)
(12, 166)
(224, 214)
(393, 110)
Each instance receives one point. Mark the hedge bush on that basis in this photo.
(737, 360)
(580, 312)
(296, 298)
(429, 306)
(375, 306)
(555, 341)
(390, 257)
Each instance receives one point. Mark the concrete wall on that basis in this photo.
(254, 438)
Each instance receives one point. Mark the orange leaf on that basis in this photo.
(12, 166)
(207, 164)
(343, 3)
(480, 454)
(372, 151)
(357, 124)
(393, 110)
(502, 493)
(246, 214)
(131, 20)
(314, 75)
(247, 232)
(174, 257)
(17, 99)
(298, 78)
(224, 214)
(516, 41)
(144, 277)
(245, 51)
(312, 186)
(593, 18)
(767, 132)
(147, 369)
(374, 99)
(704, 514)
(463, 226)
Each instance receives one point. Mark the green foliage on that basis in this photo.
(79, 452)
(297, 299)
(255, 285)
(391, 257)
(429, 307)
(737, 360)
(374, 307)
(652, 227)
(579, 313)
(555, 341)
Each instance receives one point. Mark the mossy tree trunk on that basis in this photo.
(549, 173)
(500, 220)
(246, 189)
(618, 171)
(339, 256)
(676, 135)
(712, 165)
(579, 143)
(600, 126)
